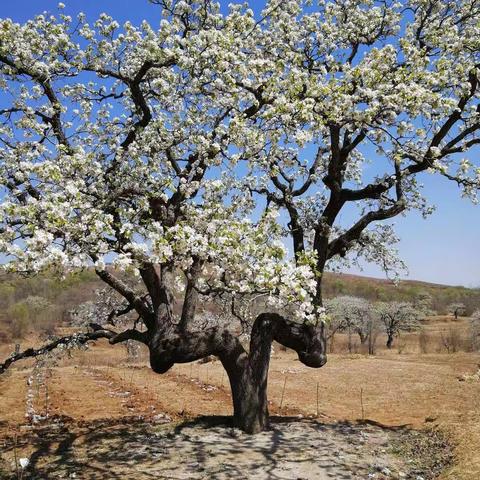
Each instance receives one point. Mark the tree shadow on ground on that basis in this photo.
(208, 448)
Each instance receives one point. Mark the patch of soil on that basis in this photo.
(209, 448)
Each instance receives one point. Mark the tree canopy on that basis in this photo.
(136, 144)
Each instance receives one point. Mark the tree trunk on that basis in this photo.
(250, 406)
(371, 346)
(389, 341)
(372, 339)
(247, 373)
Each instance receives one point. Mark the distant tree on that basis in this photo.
(374, 328)
(7, 293)
(397, 317)
(451, 339)
(457, 309)
(475, 330)
(353, 315)
(334, 322)
(31, 313)
(423, 304)
(19, 319)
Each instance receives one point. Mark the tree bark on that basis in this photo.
(247, 372)
(389, 341)
(250, 405)
(363, 337)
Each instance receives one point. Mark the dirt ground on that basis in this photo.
(108, 419)
(291, 449)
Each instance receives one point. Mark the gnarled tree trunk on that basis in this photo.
(247, 371)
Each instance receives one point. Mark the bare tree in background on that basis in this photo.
(352, 315)
(475, 330)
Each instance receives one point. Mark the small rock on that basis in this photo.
(235, 433)
(161, 418)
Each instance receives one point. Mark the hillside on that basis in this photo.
(41, 303)
(376, 289)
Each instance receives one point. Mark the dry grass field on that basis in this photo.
(417, 390)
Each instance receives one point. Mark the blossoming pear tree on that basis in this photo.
(352, 315)
(187, 153)
(397, 317)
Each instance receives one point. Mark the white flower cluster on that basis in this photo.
(130, 144)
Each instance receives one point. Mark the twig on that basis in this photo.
(361, 402)
(15, 455)
(131, 379)
(283, 393)
(46, 399)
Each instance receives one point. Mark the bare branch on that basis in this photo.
(341, 244)
(77, 338)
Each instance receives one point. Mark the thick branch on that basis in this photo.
(78, 338)
(307, 340)
(341, 244)
(139, 99)
(129, 294)
(191, 294)
(185, 347)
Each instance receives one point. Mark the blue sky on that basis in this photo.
(442, 249)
